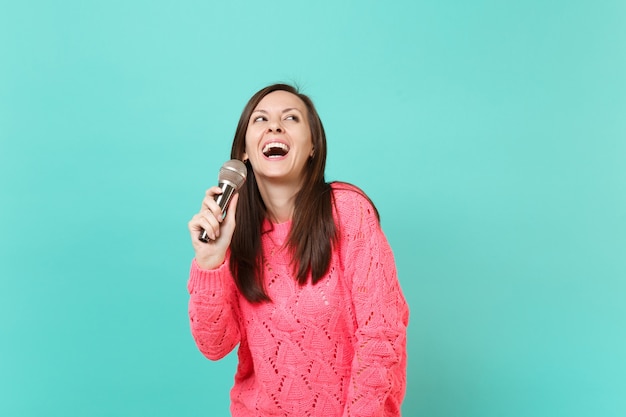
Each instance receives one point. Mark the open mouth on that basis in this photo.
(275, 150)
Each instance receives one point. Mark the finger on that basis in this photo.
(209, 196)
(211, 224)
(202, 222)
(210, 204)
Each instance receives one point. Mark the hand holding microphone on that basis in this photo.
(231, 177)
(212, 228)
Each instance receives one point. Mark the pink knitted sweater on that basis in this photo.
(336, 348)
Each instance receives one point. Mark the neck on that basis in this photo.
(279, 200)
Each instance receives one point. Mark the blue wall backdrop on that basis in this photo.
(491, 135)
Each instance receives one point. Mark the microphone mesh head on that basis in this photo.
(233, 172)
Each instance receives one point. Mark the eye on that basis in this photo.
(259, 119)
(292, 117)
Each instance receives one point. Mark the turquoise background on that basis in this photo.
(490, 134)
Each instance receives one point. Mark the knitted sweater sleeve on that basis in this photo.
(378, 377)
(213, 310)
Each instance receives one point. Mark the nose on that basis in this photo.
(275, 126)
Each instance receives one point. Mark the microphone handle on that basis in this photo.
(222, 200)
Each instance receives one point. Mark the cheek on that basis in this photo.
(249, 141)
(309, 138)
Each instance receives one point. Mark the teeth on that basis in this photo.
(275, 148)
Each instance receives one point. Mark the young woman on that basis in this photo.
(299, 274)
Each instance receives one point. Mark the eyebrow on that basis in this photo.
(284, 111)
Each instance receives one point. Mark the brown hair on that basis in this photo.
(313, 229)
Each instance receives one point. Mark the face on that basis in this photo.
(278, 138)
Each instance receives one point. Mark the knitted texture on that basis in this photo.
(336, 348)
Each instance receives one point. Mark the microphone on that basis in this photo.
(231, 177)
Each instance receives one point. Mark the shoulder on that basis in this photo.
(351, 203)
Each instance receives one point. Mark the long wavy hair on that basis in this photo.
(313, 231)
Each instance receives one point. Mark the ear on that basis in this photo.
(244, 158)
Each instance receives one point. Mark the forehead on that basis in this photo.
(280, 100)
